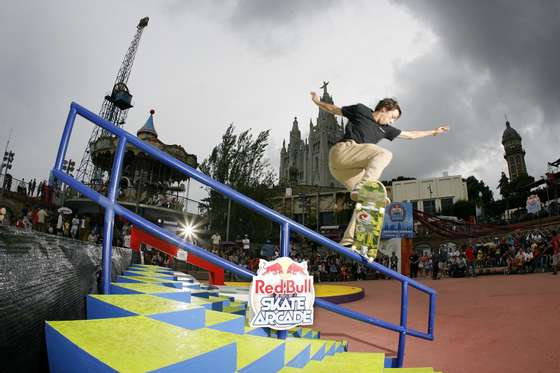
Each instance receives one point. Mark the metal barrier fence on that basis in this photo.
(112, 207)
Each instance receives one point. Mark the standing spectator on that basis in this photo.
(394, 261)
(332, 271)
(31, 187)
(40, 190)
(59, 223)
(555, 252)
(435, 265)
(3, 213)
(22, 189)
(413, 260)
(75, 225)
(469, 253)
(267, 250)
(216, 239)
(246, 243)
(443, 258)
(35, 219)
(42, 216)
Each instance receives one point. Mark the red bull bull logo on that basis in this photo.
(281, 295)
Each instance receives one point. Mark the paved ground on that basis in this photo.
(486, 324)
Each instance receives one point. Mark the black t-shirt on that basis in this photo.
(363, 129)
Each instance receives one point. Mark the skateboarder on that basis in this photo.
(356, 158)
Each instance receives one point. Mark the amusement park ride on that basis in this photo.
(148, 187)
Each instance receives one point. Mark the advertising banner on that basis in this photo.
(533, 204)
(281, 295)
(398, 222)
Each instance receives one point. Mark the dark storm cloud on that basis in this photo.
(490, 58)
(516, 40)
(271, 27)
(247, 12)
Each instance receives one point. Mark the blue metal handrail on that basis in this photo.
(113, 208)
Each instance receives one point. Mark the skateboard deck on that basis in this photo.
(370, 211)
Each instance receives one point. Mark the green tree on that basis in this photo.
(503, 185)
(461, 209)
(519, 190)
(238, 161)
(478, 191)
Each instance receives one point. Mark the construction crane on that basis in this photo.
(115, 106)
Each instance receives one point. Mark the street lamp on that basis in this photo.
(7, 164)
(68, 166)
(480, 202)
(429, 187)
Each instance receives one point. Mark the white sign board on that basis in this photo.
(281, 295)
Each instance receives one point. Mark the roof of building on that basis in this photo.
(510, 134)
(149, 125)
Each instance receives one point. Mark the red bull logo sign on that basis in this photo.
(281, 295)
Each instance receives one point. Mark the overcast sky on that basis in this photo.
(204, 64)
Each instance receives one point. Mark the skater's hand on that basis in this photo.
(315, 97)
(441, 129)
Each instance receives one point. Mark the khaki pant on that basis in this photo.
(351, 163)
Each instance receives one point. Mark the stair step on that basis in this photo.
(318, 348)
(149, 280)
(153, 289)
(330, 348)
(260, 332)
(225, 300)
(135, 344)
(235, 310)
(224, 322)
(151, 268)
(298, 352)
(208, 304)
(354, 362)
(368, 358)
(149, 274)
(180, 314)
(256, 354)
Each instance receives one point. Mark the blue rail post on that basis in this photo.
(110, 215)
(404, 321)
(284, 251)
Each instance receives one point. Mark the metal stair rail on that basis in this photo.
(112, 208)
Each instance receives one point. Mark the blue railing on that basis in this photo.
(112, 208)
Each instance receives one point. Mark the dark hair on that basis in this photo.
(389, 104)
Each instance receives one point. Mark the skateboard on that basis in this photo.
(370, 211)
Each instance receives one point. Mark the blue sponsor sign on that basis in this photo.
(398, 222)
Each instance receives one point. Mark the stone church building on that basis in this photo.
(306, 162)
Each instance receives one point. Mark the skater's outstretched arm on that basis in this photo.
(330, 108)
(411, 135)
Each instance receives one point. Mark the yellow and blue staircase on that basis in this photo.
(152, 322)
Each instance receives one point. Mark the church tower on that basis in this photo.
(514, 153)
(306, 162)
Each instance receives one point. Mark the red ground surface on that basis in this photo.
(486, 324)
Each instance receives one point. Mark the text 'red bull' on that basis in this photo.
(283, 287)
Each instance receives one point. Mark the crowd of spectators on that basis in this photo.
(518, 252)
(322, 264)
(62, 222)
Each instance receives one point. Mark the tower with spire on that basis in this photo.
(306, 162)
(514, 153)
